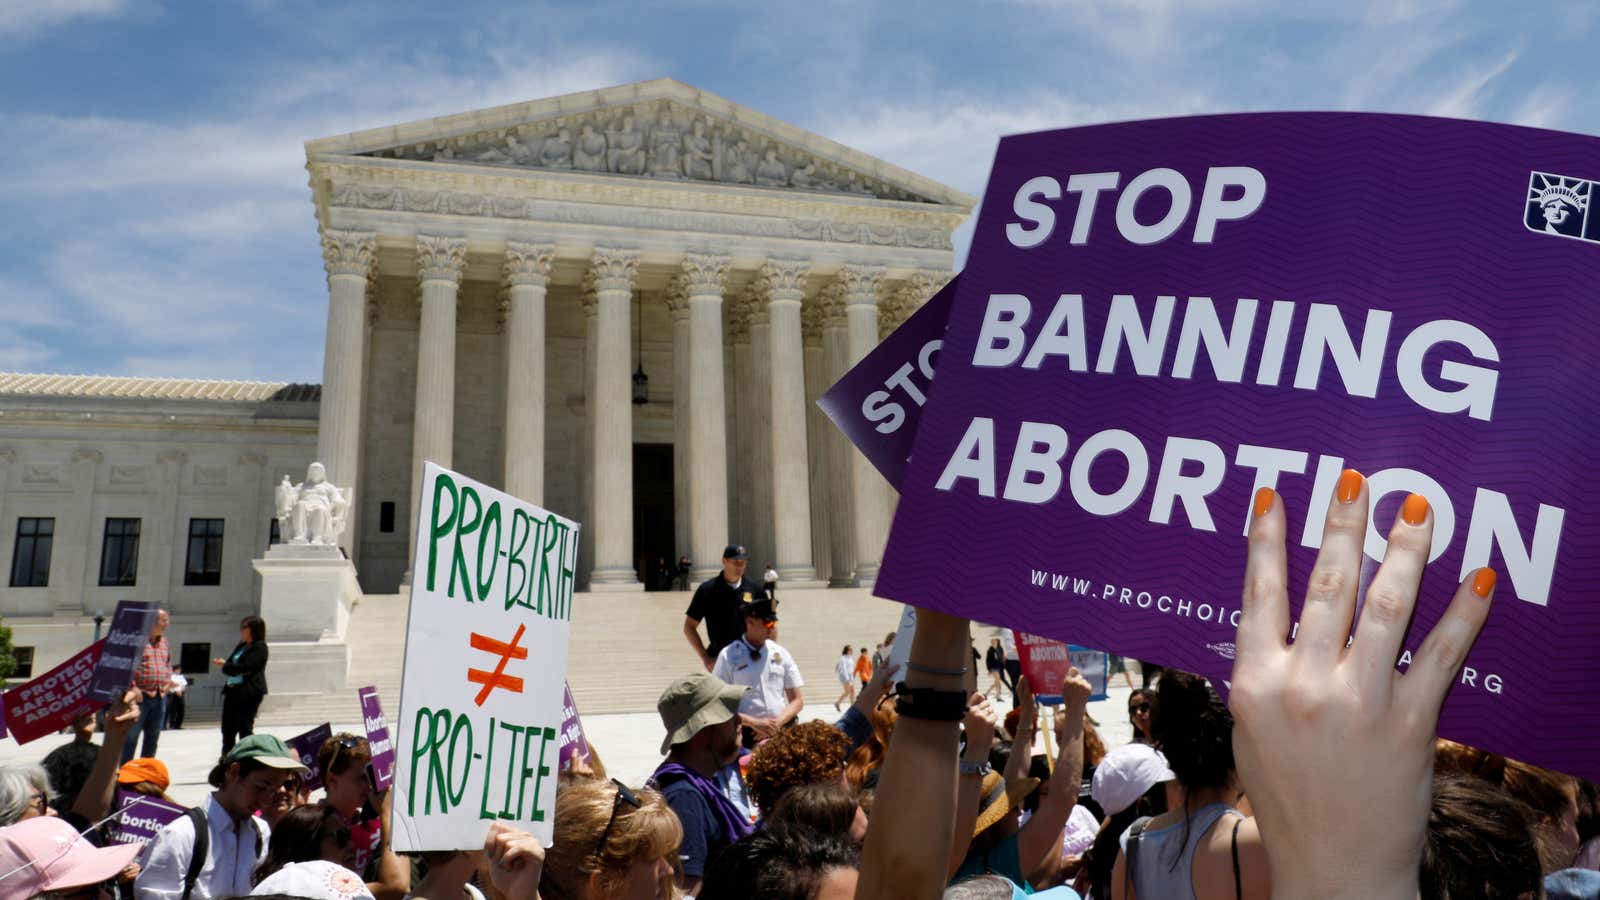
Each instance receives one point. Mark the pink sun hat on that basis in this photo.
(46, 854)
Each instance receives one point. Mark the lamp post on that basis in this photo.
(99, 620)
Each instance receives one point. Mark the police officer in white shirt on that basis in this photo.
(759, 663)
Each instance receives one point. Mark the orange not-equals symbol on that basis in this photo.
(497, 678)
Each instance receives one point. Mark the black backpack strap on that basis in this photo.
(202, 848)
(1238, 887)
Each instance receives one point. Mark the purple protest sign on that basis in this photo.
(140, 817)
(878, 403)
(305, 746)
(574, 743)
(125, 642)
(1156, 318)
(378, 739)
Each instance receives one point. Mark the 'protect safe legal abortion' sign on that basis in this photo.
(479, 734)
(1157, 318)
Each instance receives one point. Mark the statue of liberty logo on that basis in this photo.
(1559, 205)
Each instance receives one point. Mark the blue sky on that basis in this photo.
(156, 218)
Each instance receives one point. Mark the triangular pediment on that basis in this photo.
(660, 130)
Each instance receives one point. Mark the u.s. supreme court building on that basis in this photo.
(620, 304)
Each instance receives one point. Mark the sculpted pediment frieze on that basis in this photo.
(661, 139)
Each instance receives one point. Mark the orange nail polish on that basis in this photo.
(1264, 498)
(1483, 582)
(1415, 510)
(1349, 485)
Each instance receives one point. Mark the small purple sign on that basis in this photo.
(878, 403)
(1157, 318)
(305, 746)
(125, 643)
(574, 743)
(378, 739)
(140, 817)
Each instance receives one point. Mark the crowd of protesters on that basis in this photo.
(1321, 776)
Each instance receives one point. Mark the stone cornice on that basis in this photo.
(445, 135)
(441, 258)
(611, 270)
(348, 252)
(575, 200)
(528, 263)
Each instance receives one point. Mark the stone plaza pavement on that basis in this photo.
(628, 742)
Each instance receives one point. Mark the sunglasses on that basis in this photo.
(624, 795)
(1141, 708)
(345, 743)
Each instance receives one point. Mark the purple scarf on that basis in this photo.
(734, 823)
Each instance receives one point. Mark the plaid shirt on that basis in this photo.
(154, 675)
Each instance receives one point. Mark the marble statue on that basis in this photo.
(738, 167)
(805, 177)
(314, 511)
(625, 155)
(665, 143)
(557, 151)
(772, 172)
(698, 158)
(590, 154)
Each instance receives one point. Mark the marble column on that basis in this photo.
(586, 437)
(677, 299)
(871, 512)
(71, 559)
(841, 499)
(347, 256)
(440, 264)
(817, 428)
(611, 279)
(783, 284)
(527, 274)
(740, 471)
(701, 282)
(758, 426)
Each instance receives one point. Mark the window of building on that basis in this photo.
(30, 562)
(119, 553)
(24, 658)
(205, 553)
(194, 659)
(386, 517)
(273, 535)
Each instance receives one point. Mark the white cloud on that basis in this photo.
(1466, 99)
(1545, 106)
(21, 19)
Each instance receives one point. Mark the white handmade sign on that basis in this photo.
(479, 734)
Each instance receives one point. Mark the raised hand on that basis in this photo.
(983, 717)
(1325, 734)
(124, 712)
(516, 859)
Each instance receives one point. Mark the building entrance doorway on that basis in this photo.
(653, 526)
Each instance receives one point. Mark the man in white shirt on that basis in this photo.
(757, 662)
(236, 838)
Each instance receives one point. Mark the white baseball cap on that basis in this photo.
(315, 880)
(1125, 774)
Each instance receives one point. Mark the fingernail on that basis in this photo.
(1415, 510)
(1264, 497)
(1349, 485)
(1483, 582)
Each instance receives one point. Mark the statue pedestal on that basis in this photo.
(307, 593)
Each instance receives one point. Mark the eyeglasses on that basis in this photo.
(43, 802)
(1141, 708)
(624, 795)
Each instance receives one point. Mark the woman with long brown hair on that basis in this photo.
(611, 843)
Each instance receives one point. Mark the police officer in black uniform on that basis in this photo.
(718, 602)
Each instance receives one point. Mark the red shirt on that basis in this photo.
(154, 675)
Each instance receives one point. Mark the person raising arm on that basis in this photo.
(1326, 733)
